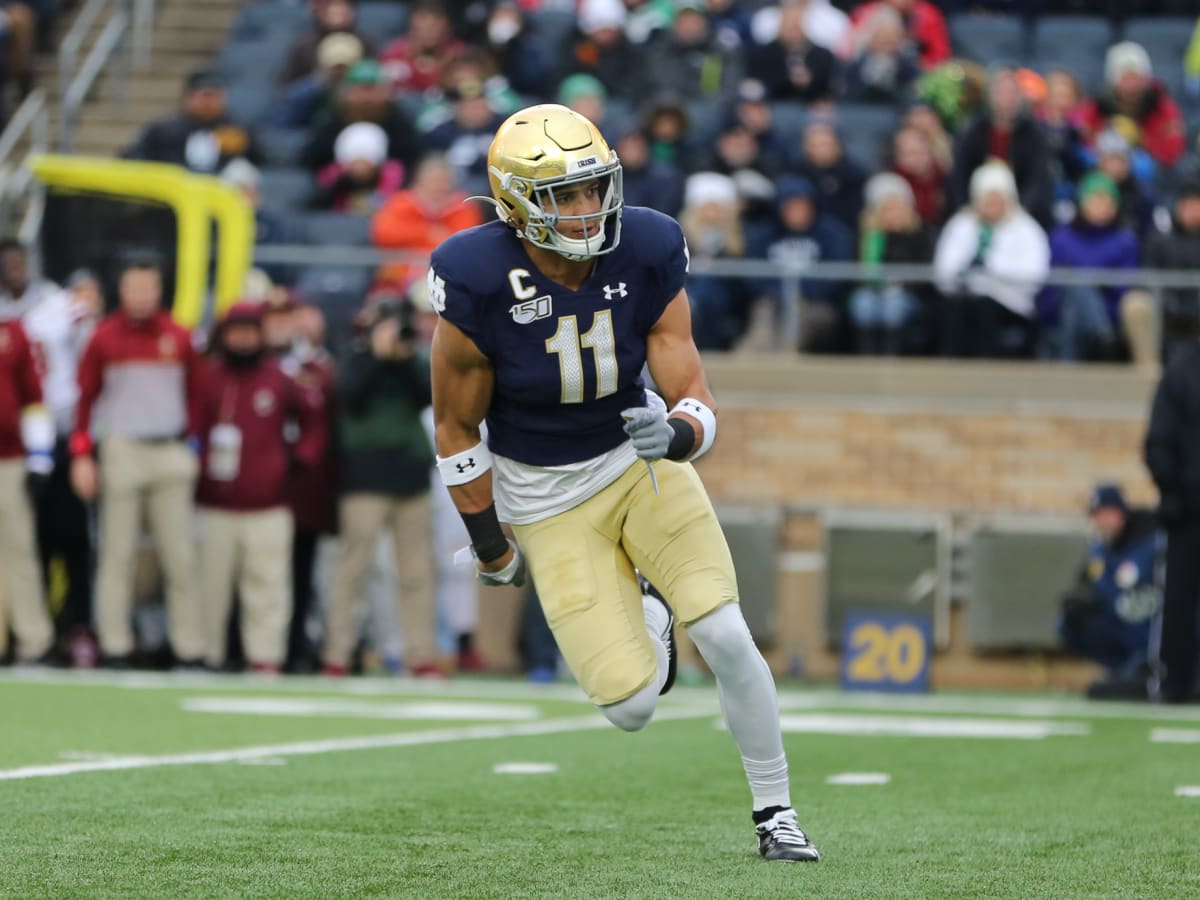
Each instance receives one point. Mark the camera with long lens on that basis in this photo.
(403, 312)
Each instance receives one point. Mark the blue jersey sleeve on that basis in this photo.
(453, 299)
(664, 253)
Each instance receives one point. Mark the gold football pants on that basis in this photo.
(582, 562)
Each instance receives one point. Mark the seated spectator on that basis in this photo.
(363, 96)
(522, 59)
(648, 182)
(302, 101)
(604, 51)
(200, 136)
(1060, 116)
(837, 180)
(737, 153)
(793, 67)
(884, 312)
(990, 262)
(361, 178)
(666, 128)
(414, 61)
(20, 29)
(1007, 132)
(328, 17)
(913, 160)
(466, 137)
(713, 229)
(587, 96)
(1141, 209)
(955, 92)
(924, 24)
(690, 62)
(1087, 318)
(730, 22)
(1178, 249)
(471, 67)
(420, 218)
(1106, 616)
(924, 117)
(883, 68)
(752, 111)
(1136, 104)
(803, 235)
(825, 24)
(244, 404)
(269, 226)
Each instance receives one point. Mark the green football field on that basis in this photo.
(177, 786)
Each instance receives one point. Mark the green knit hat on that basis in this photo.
(1098, 182)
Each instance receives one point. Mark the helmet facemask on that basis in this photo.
(543, 219)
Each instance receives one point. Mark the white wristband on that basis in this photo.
(702, 414)
(466, 466)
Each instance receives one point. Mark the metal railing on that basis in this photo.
(125, 42)
(790, 276)
(23, 197)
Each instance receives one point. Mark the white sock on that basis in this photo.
(748, 700)
(657, 621)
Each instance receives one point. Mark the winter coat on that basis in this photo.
(1011, 269)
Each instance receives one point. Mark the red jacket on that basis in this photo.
(312, 490)
(925, 25)
(1161, 131)
(142, 372)
(20, 386)
(259, 401)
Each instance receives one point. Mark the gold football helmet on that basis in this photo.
(538, 151)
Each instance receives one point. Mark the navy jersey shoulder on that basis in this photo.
(566, 362)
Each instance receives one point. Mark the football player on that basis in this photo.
(546, 319)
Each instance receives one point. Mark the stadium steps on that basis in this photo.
(187, 36)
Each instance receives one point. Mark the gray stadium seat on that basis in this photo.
(249, 101)
(382, 22)
(552, 29)
(339, 292)
(257, 20)
(286, 189)
(1076, 43)
(282, 146)
(336, 229)
(788, 119)
(1165, 39)
(257, 61)
(988, 39)
(866, 132)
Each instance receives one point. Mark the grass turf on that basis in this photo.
(659, 814)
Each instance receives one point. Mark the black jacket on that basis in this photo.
(1029, 157)
(1178, 249)
(170, 140)
(772, 64)
(1173, 438)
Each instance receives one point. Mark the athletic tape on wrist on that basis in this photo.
(702, 414)
(466, 466)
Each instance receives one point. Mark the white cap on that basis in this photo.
(993, 177)
(361, 141)
(597, 14)
(241, 173)
(885, 186)
(710, 187)
(1126, 57)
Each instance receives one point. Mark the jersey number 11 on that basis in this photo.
(568, 345)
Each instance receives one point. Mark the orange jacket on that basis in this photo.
(404, 224)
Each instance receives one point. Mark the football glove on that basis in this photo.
(648, 430)
(513, 573)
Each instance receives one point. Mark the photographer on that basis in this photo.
(382, 386)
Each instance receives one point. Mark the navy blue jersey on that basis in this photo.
(566, 362)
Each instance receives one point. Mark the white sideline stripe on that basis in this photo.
(525, 768)
(859, 778)
(334, 707)
(1188, 790)
(1175, 735)
(916, 726)
(1037, 707)
(255, 754)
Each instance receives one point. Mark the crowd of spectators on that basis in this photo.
(771, 131)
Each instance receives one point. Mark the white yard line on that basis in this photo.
(332, 745)
(926, 726)
(348, 708)
(1175, 736)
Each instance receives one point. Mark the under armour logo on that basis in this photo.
(618, 291)
(463, 468)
